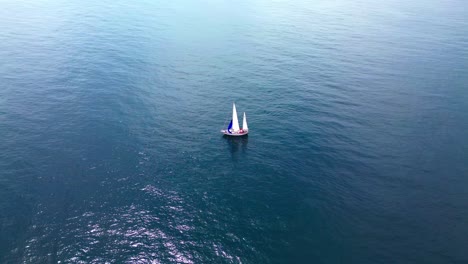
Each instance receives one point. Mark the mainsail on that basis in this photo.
(235, 121)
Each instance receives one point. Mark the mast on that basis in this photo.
(244, 124)
(235, 121)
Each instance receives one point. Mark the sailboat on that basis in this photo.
(233, 128)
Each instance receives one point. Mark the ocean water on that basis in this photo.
(110, 150)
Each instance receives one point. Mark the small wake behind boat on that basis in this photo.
(233, 128)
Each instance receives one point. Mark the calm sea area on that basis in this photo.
(110, 150)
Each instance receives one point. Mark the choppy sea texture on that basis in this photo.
(110, 148)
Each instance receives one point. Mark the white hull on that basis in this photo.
(234, 134)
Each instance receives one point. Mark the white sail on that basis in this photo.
(235, 121)
(244, 124)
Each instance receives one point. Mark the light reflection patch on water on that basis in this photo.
(165, 228)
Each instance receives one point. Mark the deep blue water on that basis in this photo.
(110, 148)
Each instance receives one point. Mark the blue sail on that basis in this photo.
(230, 126)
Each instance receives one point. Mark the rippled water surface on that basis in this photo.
(110, 148)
